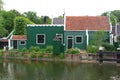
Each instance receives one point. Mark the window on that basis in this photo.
(22, 42)
(60, 36)
(78, 39)
(40, 39)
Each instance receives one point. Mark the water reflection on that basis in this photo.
(42, 70)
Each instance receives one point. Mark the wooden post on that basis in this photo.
(100, 57)
(118, 55)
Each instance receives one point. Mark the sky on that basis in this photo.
(54, 8)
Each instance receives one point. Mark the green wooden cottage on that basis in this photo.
(76, 32)
(43, 35)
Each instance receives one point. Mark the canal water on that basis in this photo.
(43, 70)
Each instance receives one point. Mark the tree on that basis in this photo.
(117, 14)
(6, 20)
(3, 31)
(32, 16)
(16, 12)
(1, 5)
(112, 18)
(98, 39)
(20, 24)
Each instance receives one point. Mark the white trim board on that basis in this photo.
(44, 25)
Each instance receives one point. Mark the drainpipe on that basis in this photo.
(87, 35)
(64, 15)
(111, 35)
(115, 27)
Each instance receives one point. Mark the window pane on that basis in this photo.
(22, 42)
(78, 39)
(40, 38)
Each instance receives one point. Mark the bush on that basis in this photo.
(49, 49)
(40, 54)
(61, 56)
(91, 49)
(50, 56)
(34, 49)
(24, 50)
(73, 51)
(32, 54)
(43, 50)
(109, 47)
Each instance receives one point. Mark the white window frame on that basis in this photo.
(21, 41)
(37, 38)
(61, 36)
(76, 39)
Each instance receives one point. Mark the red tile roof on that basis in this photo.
(87, 22)
(19, 37)
(3, 40)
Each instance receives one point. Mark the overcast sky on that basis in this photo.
(57, 7)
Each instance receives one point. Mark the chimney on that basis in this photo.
(45, 19)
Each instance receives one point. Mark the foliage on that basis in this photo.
(40, 54)
(3, 31)
(1, 53)
(32, 16)
(48, 55)
(61, 16)
(49, 49)
(98, 38)
(91, 49)
(1, 4)
(116, 13)
(16, 12)
(112, 18)
(73, 51)
(34, 48)
(32, 54)
(62, 56)
(24, 50)
(20, 24)
(7, 20)
(43, 50)
(108, 47)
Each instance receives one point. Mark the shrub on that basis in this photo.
(24, 50)
(73, 51)
(61, 56)
(40, 54)
(91, 49)
(50, 56)
(109, 47)
(43, 50)
(34, 49)
(49, 49)
(32, 54)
